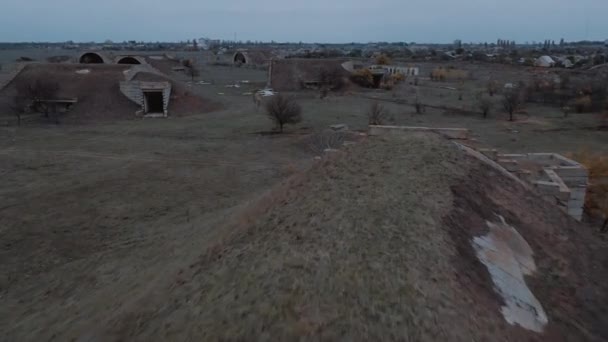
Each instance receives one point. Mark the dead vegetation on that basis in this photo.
(377, 114)
(596, 201)
(283, 110)
(32, 94)
(511, 101)
(363, 77)
(485, 105)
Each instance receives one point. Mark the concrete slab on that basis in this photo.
(450, 133)
(508, 258)
(546, 188)
(570, 171)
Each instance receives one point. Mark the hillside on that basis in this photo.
(375, 244)
(372, 243)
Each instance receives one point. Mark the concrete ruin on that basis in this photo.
(558, 179)
(395, 69)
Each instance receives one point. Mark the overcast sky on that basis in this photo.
(304, 20)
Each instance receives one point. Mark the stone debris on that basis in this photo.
(339, 127)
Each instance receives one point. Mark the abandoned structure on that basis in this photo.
(253, 58)
(558, 179)
(299, 73)
(152, 92)
(94, 58)
(134, 60)
(395, 69)
(102, 58)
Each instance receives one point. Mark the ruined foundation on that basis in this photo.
(560, 180)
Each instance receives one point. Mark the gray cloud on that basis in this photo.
(311, 20)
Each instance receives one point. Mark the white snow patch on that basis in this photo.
(508, 257)
(266, 92)
(83, 71)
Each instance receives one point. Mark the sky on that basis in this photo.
(323, 21)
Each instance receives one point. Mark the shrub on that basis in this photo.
(377, 114)
(398, 77)
(492, 87)
(419, 106)
(283, 110)
(363, 77)
(383, 60)
(31, 95)
(583, 104)
(596, 201)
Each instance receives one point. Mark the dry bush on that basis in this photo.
(419, 106)
(398, 77)
(31, 95)
(383, 60)
(377, 114)
(388, 84)
(42, 88)
(492, 87)
(363, 77)
(283, 110)
(441, 74)
(318, 142)
(583, 104)
(596, 201)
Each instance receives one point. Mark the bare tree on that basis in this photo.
(511, 101)
(420, 108)
(31, 94)
(377, 114)
(193, 72)
(18, 106)
(485, 105)
(331, 78)
(492, 87)
(283, 110)
(191, 68)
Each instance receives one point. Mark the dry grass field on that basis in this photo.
(150, 229)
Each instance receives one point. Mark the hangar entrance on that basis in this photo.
(153, 102)
(239, 58)
(128, 60)
(91, 58)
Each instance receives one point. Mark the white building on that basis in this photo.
(544, 62)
